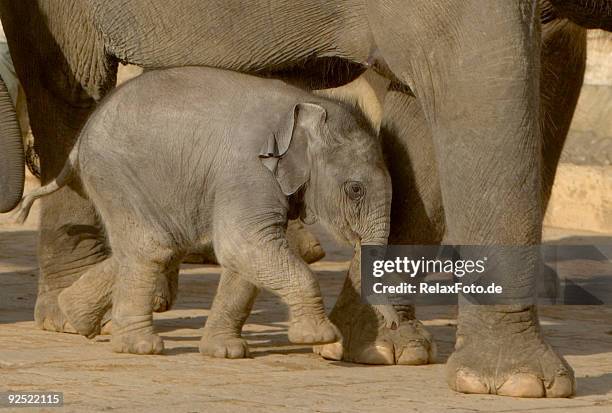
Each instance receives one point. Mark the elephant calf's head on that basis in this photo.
(327, 155)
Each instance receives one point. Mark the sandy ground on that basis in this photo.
(280, 377)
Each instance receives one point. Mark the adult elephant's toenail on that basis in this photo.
(522, 385)
(379, 353)
(467, 381)
(413, 356)
(561, 386)
(333, 351)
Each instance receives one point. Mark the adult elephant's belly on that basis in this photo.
(590, 14)
(245, 36)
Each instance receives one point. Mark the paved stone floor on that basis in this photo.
(280, 377)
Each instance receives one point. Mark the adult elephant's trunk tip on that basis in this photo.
(12, 160)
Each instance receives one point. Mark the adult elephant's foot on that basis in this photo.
(48, 315)
(137, 343)
(86, 302)
(369, 339)
(90, 316)
(107, 328)
(84, 317)
(501, 351)
(223, 344)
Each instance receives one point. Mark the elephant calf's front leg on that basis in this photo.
(271, 264)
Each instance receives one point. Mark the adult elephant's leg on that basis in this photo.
(61, 93)
(70, 234)
(416, 218)
(479, 88)
(562, 73)
(563, 65)
(417, 214)
(63, 79)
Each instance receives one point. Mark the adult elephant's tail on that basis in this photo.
(12, 163)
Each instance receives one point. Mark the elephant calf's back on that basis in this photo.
(159, 144)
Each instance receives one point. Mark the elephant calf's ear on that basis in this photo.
(286, 152)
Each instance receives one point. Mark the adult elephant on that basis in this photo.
(473, 66)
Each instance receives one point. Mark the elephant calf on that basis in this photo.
(176, 158)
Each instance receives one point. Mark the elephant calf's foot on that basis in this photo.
(137, 343)
(303, 242)
(313, 330)
(517, 363)
(49, 316)
(370, 339)
(224, 345)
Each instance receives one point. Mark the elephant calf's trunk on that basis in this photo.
(386, 311)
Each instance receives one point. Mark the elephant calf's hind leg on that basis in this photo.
(231, 307)
(134, 290)
(133, 310)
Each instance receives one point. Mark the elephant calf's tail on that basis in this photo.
(21, 212)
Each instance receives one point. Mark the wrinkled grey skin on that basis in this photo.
(223, 167)
(465, 79)
(11, 153)
(304, 243)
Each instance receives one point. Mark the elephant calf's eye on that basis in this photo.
(355, 190)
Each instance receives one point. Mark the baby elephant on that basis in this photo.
(179, 157)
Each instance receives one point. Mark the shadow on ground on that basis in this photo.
(594, 385)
